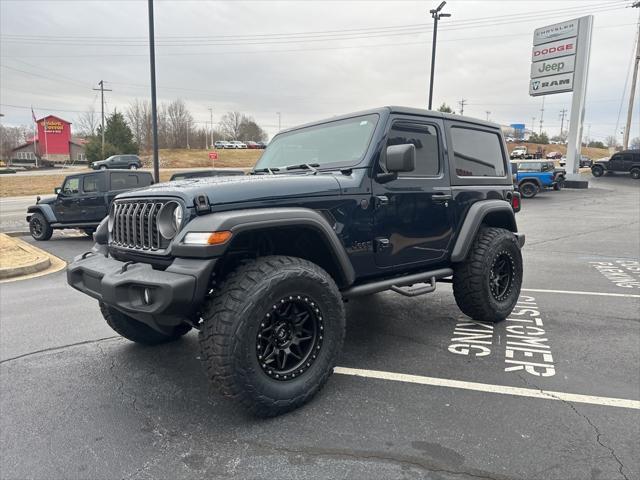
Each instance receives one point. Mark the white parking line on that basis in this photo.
(572, 292)
(485, 387)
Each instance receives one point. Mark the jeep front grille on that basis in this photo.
(135, 225)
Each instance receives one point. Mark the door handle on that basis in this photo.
(381, 200)
(441, 197)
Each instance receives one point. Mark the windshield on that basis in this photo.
(343, 142)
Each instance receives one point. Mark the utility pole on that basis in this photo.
(154, 107)
(541, 115)
(563, 112)
(462, 103)
(632, 94)
(102, 90)
(279, 120)
(488, 113)
(436, 15)
(211, 113)
(533, 123)
(188, 128)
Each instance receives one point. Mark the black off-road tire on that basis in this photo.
(236, 314)
(136, 331)
(597, 171)
(529, 189)
(39, 227)
(635, 173)
(472, 279)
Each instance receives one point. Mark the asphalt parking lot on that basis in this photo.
(421, 392)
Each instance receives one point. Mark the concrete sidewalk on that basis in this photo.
(20, 260)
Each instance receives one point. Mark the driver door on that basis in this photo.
(66, 207)
(413, 218)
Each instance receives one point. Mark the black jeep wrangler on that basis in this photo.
(387, 199)
(82, 201)
(625, 161)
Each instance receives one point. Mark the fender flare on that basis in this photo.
(535, 180)
(44, 209)
(474, 218)
(239, 221)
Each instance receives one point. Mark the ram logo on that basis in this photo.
(535, 85)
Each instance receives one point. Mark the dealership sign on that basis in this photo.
(557, 31)
(553, 67)
(560, 63)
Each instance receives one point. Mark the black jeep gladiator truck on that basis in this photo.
(387, 199)
(82, 201)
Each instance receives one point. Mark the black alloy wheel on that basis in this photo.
(289, 338)
(501, 276)
(528, 189)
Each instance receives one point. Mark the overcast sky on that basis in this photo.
(305, 59)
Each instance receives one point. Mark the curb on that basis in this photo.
(41, 262)
(17, 234)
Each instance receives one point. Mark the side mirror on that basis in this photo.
(401, 158)
(57, 190)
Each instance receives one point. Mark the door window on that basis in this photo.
(425, 139)
(90, 184)
(71, 186)
(477, 153)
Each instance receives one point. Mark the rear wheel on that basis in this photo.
(528, 189)
(272, 332)
(635, 173)
(487, 284)
(39, 227)
(136, 331)
(133, 167)
(597, 171)
(103, 167)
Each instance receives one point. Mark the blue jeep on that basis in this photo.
(531, 177)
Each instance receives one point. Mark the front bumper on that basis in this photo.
(160, 298)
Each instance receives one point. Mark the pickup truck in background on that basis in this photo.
(82, 201)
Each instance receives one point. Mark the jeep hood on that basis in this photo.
(236, 189)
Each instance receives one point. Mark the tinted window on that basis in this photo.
(425, 139)
(477, 153)
(529, 167)
(123, 180)
(90, 183)
(71, 185)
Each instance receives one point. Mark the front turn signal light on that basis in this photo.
(207, 238)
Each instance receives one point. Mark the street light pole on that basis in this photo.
(436, 15)
(154, 108)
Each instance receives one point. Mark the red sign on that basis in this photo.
(213, 155)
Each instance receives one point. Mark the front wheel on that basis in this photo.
(271, 333)
(136, 331)
(635, 173)
(487, 284)
(39, 227)
(597, 171)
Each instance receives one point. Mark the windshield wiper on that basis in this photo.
(266, 170)
(304, 166)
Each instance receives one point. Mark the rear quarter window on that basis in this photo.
(126, 180)
(477, 153)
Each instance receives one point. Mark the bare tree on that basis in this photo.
(179, 121)
(88, 122)
(611, 141)
(139, 119)
(11, 137)
(231, 125)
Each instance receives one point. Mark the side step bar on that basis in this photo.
(396, 283)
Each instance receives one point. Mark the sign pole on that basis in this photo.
(574, 139)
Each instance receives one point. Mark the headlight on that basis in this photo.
(170, 219)
(177, 218)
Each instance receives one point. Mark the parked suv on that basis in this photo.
(388, 199)
(131, 162)
(82, 201)
(625, 161)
